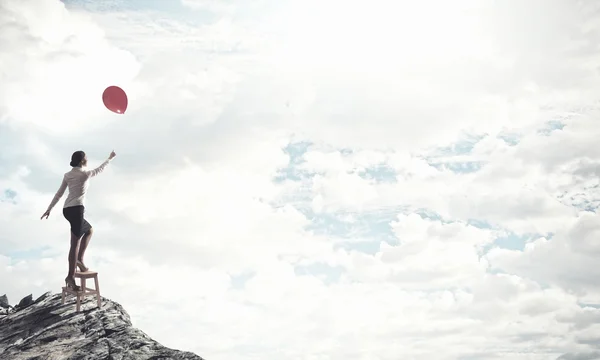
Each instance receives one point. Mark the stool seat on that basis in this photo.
(86, 274)
(83, 291)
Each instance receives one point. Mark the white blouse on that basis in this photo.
(78, 181)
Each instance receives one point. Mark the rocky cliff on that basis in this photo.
(45, 329)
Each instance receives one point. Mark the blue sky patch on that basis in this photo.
(328, 274)
(480, 224)
(380, 173)
(510, 139)
(512, 241)
(550, 127)
(239, 281)
(8, 196)
(295, 151)
(589, 305)
(459, 167)
(373, 225)
(462, 147)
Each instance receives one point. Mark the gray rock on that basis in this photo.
(25, 302)
(4, 302)
(46, 329)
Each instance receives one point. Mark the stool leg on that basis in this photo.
(97, 285)
(78, 302)
(83, 285)
(63, 297)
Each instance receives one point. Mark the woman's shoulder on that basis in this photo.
(74, 175)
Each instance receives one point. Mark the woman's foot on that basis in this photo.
(70, 282)
(81, 266)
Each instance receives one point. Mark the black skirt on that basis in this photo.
(74, 215)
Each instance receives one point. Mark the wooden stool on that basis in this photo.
(84, 290)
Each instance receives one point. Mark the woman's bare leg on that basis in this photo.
(73, 256)
(83, 244)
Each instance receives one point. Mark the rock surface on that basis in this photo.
(4, 302)
(45, 329)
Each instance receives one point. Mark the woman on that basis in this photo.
(77, 180)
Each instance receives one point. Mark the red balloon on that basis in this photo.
(115, 99)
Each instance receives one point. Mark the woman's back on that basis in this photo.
(77, 180)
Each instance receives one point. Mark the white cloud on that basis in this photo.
(573, 247)
(428, 150)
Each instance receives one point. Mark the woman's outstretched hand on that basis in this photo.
(46, 214)
(112, 155)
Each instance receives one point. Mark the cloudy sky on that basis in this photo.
(315, 179)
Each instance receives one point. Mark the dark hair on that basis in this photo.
(77, 158)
